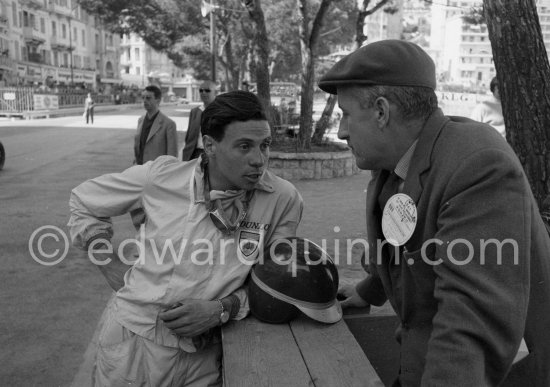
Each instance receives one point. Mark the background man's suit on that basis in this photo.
(193, 134)
(162, 139)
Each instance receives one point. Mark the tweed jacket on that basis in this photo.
(193, 133)
(162, 139)
(463, 306)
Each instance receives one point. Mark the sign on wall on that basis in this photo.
(45, 102)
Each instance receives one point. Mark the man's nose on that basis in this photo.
(343, 129)
(257, 158)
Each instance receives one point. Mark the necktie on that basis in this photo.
(390, 188)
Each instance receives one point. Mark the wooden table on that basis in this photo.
(301, 353)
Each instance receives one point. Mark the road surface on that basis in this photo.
(47, 312)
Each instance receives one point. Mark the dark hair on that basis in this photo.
(493, 84)
(227, 108)
(155, 90)
(413, 101)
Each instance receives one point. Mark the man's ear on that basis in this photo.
(382, 111)
(209, 145)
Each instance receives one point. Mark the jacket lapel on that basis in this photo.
(155, 127)
(374, 214)
(421, 160)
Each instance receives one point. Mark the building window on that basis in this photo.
(14, 13)
(63, 31)
(66, 59)
(54, 29)
(75, 35)
(17, 50)
(136, 53)
(83, 38)
(55, 57)
(138, 71)
(42, 25)
(25, 19)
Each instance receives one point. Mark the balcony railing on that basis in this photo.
(32, 36)
(35, 57)
(58, 44)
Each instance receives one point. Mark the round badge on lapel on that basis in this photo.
(399, 219)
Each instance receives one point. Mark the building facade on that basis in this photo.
(141, 65)
(54, 43)
(462, 51)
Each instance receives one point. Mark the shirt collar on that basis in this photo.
(402, 167)
(198, 180)
(153, 116)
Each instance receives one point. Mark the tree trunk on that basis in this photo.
(322, 125)
(261, 41)
(308, 47)
(523, 75)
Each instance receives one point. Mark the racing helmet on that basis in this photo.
(294, 274)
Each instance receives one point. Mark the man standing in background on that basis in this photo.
(490, 111)
(156, 136)
(156, 133)
(193, 139)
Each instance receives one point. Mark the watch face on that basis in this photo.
(224, 317)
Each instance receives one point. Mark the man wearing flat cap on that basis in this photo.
(456, 241)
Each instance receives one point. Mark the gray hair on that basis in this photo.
(414, 102)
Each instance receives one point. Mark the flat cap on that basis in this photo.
(386, 62)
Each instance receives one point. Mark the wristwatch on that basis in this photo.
(224, 315)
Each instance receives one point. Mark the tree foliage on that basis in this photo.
(171, 26)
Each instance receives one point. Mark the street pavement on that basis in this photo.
(49, 312)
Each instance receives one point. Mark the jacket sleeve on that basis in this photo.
(171, 140)
(136, 140)
(371, 289)
(481, 267)
(478, 112)
(94, 202)
(287, 223)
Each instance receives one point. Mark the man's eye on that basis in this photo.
(245, 146)
(265, 146)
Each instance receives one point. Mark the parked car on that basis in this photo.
(2, 155)
(178, 99)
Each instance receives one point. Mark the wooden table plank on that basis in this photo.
(257, 355)
(333, 356)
